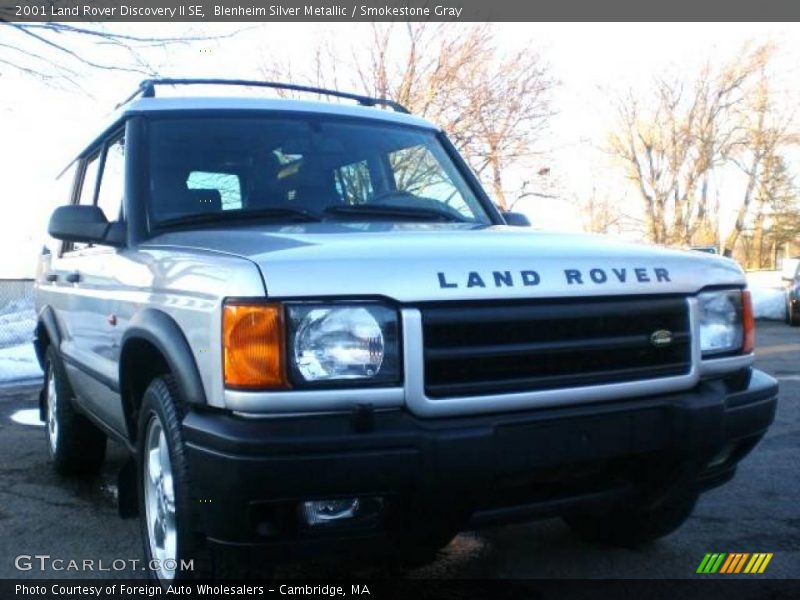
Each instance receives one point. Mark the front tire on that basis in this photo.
(75, 444)
(165, 499)
(632, 526)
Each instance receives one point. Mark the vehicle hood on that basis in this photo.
(430, 262)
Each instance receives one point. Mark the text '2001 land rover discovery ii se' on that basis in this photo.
(312, 329)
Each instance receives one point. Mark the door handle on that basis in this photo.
(73, 277)
(51, 277)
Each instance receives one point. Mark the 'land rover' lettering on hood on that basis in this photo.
(573, 276)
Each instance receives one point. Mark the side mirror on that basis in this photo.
(516, 219)
(86, 224)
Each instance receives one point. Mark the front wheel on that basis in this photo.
(173, 551)
(631, 526)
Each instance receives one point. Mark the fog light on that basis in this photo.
(320, 512)
(721, 457)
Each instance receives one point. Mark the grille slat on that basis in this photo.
(521, 349)
(472, 349)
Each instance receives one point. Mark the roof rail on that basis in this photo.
(147, 89)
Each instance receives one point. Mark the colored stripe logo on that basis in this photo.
(735, 562)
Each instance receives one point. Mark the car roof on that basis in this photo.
(152, 106)
(149, 105)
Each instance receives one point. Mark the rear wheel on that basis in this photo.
(630, 525)
(76, 445)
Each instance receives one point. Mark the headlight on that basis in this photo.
(725, 322)
(343, 342)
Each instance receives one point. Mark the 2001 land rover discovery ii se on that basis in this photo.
(312, 329)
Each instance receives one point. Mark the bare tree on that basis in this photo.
(670, 140)
(600, 213)
(495, 107)
(776, 216)
(56, 53)
(765, 129)
(541, 185)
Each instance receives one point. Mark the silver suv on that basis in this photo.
(312, 330)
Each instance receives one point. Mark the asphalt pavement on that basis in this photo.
(759, 511)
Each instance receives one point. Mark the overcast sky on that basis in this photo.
(42, 127)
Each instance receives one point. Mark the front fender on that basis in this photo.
(161, 330)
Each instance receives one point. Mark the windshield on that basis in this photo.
(208, 170)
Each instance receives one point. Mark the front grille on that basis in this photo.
(480, 348)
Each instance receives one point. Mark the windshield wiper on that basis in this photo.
(273, 213)
(385, 210)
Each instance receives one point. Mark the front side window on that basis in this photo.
(88, 186)
(89, 181)
(112, 181)
(209, 170)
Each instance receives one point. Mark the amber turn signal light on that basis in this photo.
(748, 323)
(253, 345)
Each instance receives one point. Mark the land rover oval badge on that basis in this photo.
(661, 338)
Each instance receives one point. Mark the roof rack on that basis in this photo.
(147, 89)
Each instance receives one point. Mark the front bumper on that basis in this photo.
(247, 472)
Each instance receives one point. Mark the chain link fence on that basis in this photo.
(17, 322)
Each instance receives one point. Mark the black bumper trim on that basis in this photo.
(236, 463)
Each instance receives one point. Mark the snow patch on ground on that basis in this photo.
(769, 303)
(18, 362)
(28, 416)
(17, 358)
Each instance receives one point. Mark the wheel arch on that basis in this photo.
(46, 333)
(154, 345)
